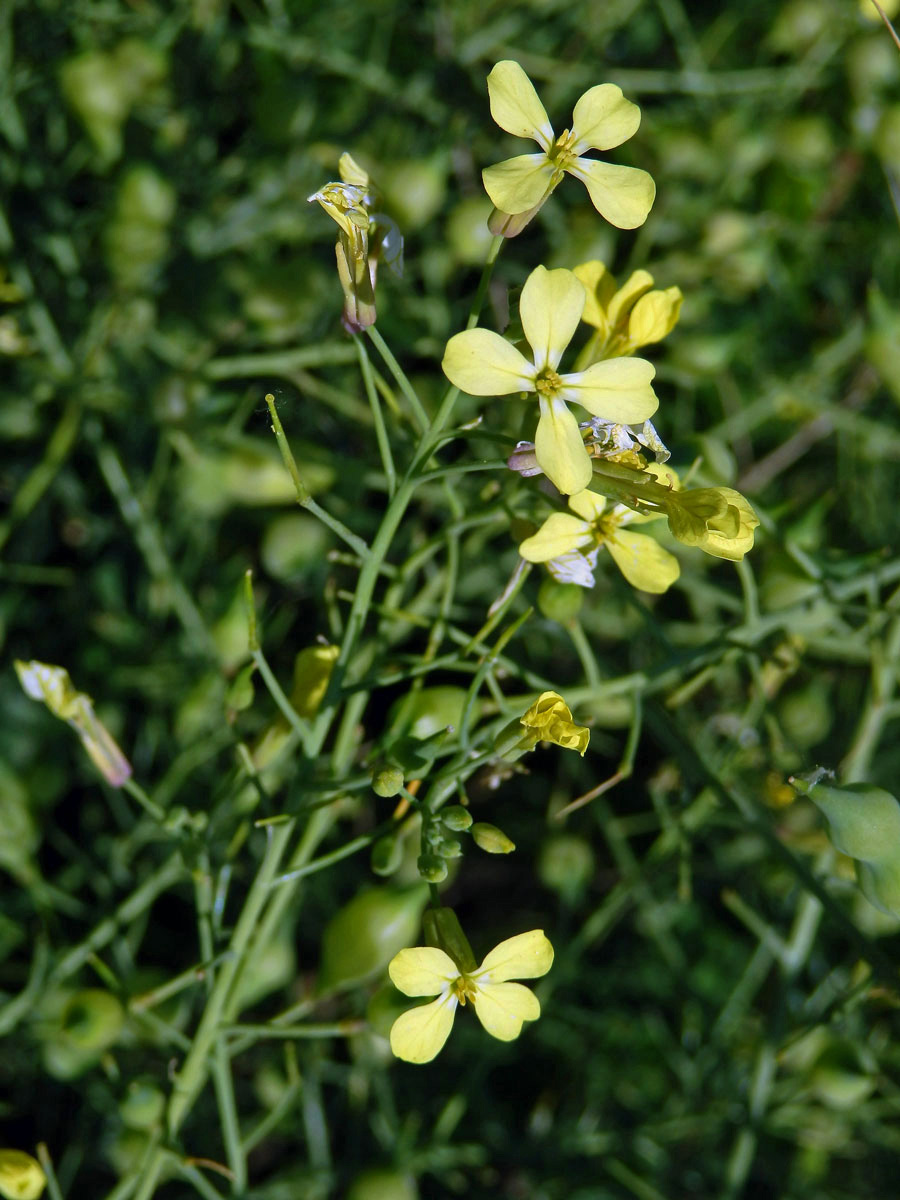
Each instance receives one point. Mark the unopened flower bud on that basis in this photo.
(387, 854)
(491, 839)
(450, 848)
(432, 868)
(387, 782)
(456, 817)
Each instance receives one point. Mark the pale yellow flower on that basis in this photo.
(482, 363)
(602, 119)
(550, 720)
(625, 318)
(569, 545)
(502, 1007)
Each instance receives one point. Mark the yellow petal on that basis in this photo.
(559, 534)
(21, 1176)
(422, 971)
(515, 105)
(547, 707)
(503, 1007)
(600, 287)
(525, 956)
(588, 505)
(654, 316)
(628, 294)
(482, 363)
(517, 185)
(603, 118)
(418, 1035)
(623, 195)
(559, 449)
(616, 390)
(643, 561)
(550, 308)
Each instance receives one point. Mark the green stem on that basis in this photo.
(399, 375)
(384, 445)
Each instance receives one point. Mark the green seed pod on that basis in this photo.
(432, 868)
(491, 839)
(21, 1176)
(362, 938)
(864, 823)
(442, 930)
(456, 817)
(560, 601)
(387, 781)
(387, 854)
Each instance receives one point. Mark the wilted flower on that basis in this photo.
(53, 686)
(364, 236)
(550, 720)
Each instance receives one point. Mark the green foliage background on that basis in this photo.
(721, 1016)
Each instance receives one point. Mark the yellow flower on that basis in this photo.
(501, 1007)
(602, 118)
(550, 720)
(53, 685)
(626, 317)
(482, 363)
(21, 1176)
(718, 520)
(569, 545)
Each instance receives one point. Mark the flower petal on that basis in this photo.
(589, 505)
(559, 449)
(418, 1036)
(422, 971)
(628, 295)
(502, 1007)
(550, 308)
(515, 105)
(643, 561)
(483, 363)
(600, 287)
(574, 567)
(617, 390)
(525, 956)
(623, 195)
(520, 184)
(559, 534)
(654, 316)
(603, 118)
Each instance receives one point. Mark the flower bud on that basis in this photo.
(456, 817)
(432, 868)
(21, 1176)
(312, 671)
(450, 848)
(387, 782)
(491, 839)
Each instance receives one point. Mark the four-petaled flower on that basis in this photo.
(501, 1007)
(602, 118)
(483, 363)
(569, 545)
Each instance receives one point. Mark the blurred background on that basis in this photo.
(709, 1028)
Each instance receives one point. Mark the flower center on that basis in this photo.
(464, 989)
(604, 528)
(548, 383)
(561, 153)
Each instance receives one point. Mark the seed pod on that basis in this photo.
(363, 936)
(442, 930)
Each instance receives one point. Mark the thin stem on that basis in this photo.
(384, 445)
(421, 416)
